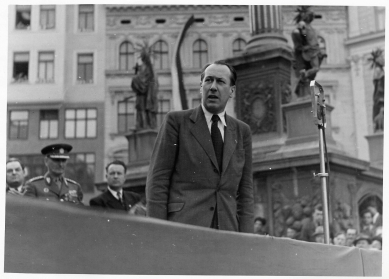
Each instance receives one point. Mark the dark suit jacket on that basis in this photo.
(108, 201)
(184, 182)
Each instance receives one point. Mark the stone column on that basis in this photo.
(265, 27)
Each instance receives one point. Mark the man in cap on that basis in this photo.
(53, 186)
(15, 177)
(362, 241)
(114, 197)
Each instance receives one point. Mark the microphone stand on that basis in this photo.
(319, 110)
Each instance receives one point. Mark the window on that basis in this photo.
(126, 115)
(85, 68)
(18, 124)
(163, 108)
(47, 16)
(126, 56)
(380, 18)
(80, 123)
(237, 46)
(200, 53)
(86, 18)
(23, 16)
(81, 168)
(322, 46)
(20, 73)
(196, 102)
(48, 124)
(160, 61)
(46, 67)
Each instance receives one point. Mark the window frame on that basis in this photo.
(78, 64)
(86, 28)
(126, 115)
(46, 10)
(127, 54)
(237, 51)
(19, 8)
(49, 125)
(161, 50)
(200, 52)
(14, 78)
(18, 126)
(46, 62)
(85, 119)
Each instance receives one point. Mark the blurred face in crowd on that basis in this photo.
(362, 244)
(340, 239)
(376, 245)
(216, 88)
(351, 233)
(290, 233)
(15, 174)
(372, 209)
(319, 238)
(56, 167)
(318, 216)
(258, 226)
(367, 218)
(116, 176)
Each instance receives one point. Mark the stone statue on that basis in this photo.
(378, 63)
(145, 85)
(307, 53)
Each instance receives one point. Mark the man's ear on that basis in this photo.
(232, 91)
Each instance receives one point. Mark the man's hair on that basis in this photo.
(117, 162)
(262, 220)
(15, 160)
(366, 211)
(319, 207)
(233, 75)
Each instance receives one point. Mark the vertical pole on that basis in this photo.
(323, 180)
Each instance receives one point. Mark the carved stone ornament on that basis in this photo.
(258, 108)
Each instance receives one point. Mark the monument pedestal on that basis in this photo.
(140, 146)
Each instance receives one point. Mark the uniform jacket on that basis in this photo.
(44, 187)
(13, 191)
(184, 182)
(108, 201)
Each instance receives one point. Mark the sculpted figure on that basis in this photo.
(145, 85)
(307, 53)
(378, 64)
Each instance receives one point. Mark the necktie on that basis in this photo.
(59, 183)
(217, 140)
(120, 197)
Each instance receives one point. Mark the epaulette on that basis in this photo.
(72, 181)
(35, 178)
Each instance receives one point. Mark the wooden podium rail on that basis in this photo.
(47, 237)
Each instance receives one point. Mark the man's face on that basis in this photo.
(318, 216)
(216, 88)
(376, 245)
(340, 240)
(351, 233)
(290, 233)
(367, 218)
(257, 226)
(56, 167)
(362, 244)
(116, 176)
(15, 174)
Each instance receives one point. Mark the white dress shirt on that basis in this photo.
(115, 193)
(220, 124)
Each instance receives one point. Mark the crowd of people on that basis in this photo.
(369, 236)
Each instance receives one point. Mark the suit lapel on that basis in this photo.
(229, 142)
(112, 201)
(201, 132)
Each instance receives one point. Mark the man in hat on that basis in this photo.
(53, 186)
(15, 177)
(259, 226)
(362, 241)
(114, 197)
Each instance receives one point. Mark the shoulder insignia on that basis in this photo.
(35, 179)
(71, 181)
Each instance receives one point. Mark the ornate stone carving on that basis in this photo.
(258, 106)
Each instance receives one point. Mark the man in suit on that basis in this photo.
(200, 170)
(15, 177)
(114, 197)
(53, 186)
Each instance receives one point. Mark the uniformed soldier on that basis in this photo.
(53, 186)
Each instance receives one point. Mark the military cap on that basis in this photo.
(57, 151)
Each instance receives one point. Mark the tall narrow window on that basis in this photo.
(380, 18)
(18, 124)
(85, 68)
(48, 124)
(161, 59)
(163, 108)
(46, 67)
(20, 71)
(200, 53)
(126, 115)
(47, 16)
(86, 18)
(23, 16)
(80, 123)
(237, 46)
(126, 56)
